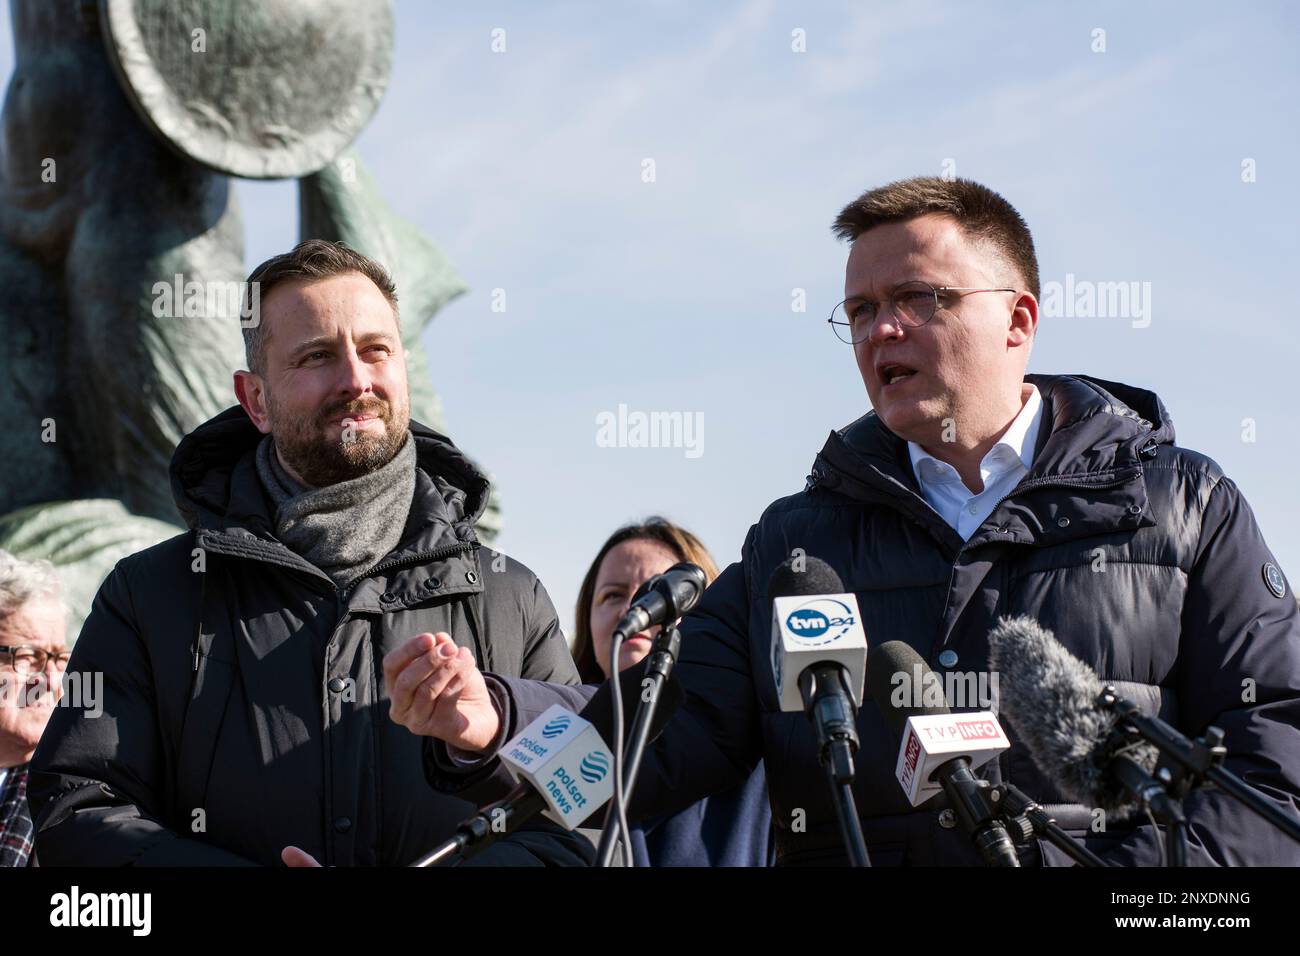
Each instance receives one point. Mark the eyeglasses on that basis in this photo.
(912, 304)
(33, 660)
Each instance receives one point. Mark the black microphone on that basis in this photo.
(664, 597)
(965, 792)
(1051, 698)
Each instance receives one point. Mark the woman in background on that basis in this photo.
(728, 829)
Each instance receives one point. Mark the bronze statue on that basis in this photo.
(121, 243)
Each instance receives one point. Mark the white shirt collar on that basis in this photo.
(1017, 442)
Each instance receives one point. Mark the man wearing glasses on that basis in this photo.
(33, 655)
(973, 491)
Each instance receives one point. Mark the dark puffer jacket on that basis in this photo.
(1141, 556)
(244, 699)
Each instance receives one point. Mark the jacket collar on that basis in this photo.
(1094, 436)
(1014, 450)
(216, 489)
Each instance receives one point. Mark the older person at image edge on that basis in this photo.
(33, 655)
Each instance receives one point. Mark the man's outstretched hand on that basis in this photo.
(436, 690)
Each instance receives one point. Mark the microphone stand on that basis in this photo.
(663, 655)
(1185, 763)
(485, 827)
(832, 715)
(1026, 818)
(659, 664)
(1164, 807)
(972, 801)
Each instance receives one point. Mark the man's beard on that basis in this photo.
(319, 460)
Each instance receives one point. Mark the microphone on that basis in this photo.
(570, 733)
(562, 759)
(814, 624)
(819, 656)
(1101, 749)
(664, 597)
(528, 799)
(661, 600)
(940, 750)
(564, 771)
(1051, 698)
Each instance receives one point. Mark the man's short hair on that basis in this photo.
(310, 259)
(981, 213)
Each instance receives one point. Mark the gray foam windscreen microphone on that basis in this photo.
(1050, 697)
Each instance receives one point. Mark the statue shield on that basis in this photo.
(261, 89)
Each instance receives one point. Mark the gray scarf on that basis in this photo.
(346, 528)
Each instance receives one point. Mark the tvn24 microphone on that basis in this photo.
(940, 750)
(819, 650)
(819, 657)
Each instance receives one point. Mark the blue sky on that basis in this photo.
(526, 166)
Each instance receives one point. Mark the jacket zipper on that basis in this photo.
(340, 594)
(424, 556)
(341, 591)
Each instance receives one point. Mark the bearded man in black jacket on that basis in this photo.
(245, 715)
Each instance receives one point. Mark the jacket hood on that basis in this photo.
(1124, 400)
(215, 485)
